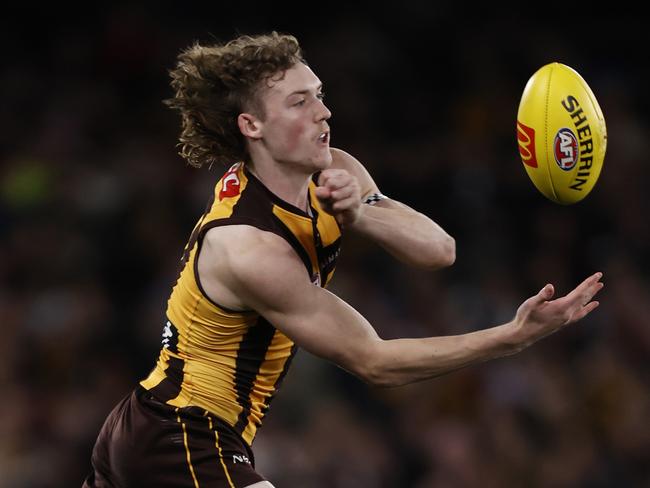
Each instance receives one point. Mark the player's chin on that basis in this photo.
(322, 159)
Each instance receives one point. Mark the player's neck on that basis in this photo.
(285, 182)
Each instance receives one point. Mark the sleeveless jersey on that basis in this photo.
(231, 363)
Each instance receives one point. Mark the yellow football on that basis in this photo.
(561, 134)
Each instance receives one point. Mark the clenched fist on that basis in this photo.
(340, 195)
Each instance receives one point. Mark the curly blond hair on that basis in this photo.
(214, 84)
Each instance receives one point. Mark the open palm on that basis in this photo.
(540, 316)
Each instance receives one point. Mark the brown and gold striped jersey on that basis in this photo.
(227, 362)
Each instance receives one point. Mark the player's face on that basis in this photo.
(295, 129)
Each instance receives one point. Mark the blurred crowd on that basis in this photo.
(96, 206)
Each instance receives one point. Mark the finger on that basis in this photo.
(338, 182)
(593, 279)
(343, 193)
(584, 311)
(586, 284)
(544, 294)
(330, 174)
(584, 292)
(345, 204)
(322, 192)
(326, 176)
(338, 179)
(591, 292)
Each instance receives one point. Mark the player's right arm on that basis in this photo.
(263, 273)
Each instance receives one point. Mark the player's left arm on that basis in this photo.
(410, 236)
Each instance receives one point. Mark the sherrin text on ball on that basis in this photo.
(561, 134)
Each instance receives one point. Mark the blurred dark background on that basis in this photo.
(95, 207)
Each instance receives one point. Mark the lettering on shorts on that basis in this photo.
(240, 458)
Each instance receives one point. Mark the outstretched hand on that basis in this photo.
(540, 316)
(340, 195)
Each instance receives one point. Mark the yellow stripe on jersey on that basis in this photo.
(231, 363)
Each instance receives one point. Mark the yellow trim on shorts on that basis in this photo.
(187, 449)
(216, 443)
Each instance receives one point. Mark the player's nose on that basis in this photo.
(322, 112)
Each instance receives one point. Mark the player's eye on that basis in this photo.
(299, 103)
(321, 96)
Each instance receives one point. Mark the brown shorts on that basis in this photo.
(145, 442)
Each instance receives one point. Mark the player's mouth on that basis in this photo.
(324, 137)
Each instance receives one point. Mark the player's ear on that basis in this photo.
(249, 125)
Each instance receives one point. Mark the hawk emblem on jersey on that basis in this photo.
(230, 183)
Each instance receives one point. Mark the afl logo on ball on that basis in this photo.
(566, 149)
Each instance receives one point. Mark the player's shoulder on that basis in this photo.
(344, 160)
(245, 240)
(244, 252)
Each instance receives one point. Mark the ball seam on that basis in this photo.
(546, 141)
